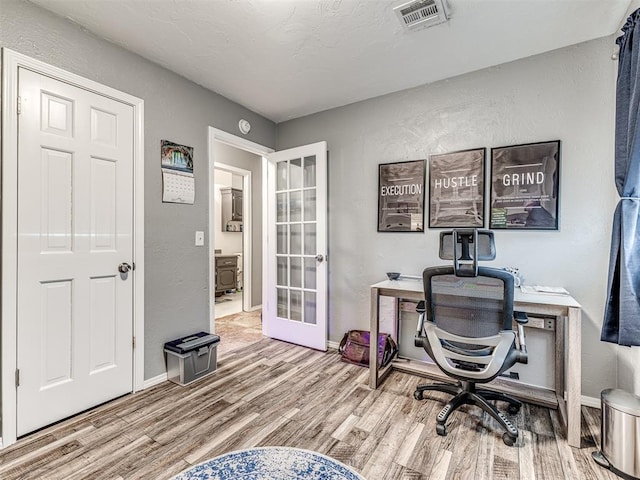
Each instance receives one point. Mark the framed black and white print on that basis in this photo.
(456, 189)
(525, 186)
(401, 196)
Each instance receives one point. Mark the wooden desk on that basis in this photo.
(567, 313)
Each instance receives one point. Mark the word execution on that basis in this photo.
(410, 189)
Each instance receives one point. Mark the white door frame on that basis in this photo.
(247, 250)
(11, 61)
(216, 135)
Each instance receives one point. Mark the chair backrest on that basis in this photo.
(469, 312)
(474, 307)
(466, 247)
(469, 332)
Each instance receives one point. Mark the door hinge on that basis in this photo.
(17, 378)
(19, 105)
(133, 344)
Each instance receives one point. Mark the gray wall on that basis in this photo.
(248, 161)
(566, 94)
(176, 290)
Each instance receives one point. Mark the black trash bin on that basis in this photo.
(192, 357)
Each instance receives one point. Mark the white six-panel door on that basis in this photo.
(75, 215)
(297, 246)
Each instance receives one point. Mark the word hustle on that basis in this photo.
(411, 189)
(456, 182)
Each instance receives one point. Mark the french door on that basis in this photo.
(296, 289)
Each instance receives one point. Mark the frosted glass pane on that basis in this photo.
(296, 239)
(282, 239)
(310, 309)
(281, 176)
(283, 301)
(281, 206)
(310, 239)
(295, 209)
(296, 305)
(310, 205)
(296, 271)
(310, 171)
(310, 273)
(282, 271)
(295, 174)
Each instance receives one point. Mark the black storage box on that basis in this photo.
(192, 357)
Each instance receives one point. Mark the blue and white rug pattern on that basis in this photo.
(270, 463)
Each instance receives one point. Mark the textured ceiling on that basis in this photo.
(289, 58)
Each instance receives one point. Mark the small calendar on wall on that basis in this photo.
(178, 185)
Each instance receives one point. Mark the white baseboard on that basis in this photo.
(590, 402)
(155, 380)
(333, 345)
(255, 307)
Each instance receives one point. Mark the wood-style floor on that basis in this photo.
(274, 393)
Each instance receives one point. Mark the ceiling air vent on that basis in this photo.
(421, 13)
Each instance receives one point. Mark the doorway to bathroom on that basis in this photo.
(228, 233)
(236, 248)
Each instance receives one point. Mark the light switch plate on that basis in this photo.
(199, 239)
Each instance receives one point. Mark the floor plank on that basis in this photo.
(267, 392)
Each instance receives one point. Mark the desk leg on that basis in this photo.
(560, 365)
(373, 339)
(573, 374)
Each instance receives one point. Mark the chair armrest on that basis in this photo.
(521, 318)
(420, 327)
(420, 335)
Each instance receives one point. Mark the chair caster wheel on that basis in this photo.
(417, 395)
(513, 409)
(441, 429)
(508, 440)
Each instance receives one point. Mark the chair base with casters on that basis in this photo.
(466, 393)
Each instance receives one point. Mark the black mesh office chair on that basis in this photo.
(466, 326)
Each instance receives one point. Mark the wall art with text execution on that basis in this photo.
(401, 196)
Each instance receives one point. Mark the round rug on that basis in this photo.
(270, 463)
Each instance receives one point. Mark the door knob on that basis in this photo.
(319, 258)
(124, 267)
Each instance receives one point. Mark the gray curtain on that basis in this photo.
(622, 310)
